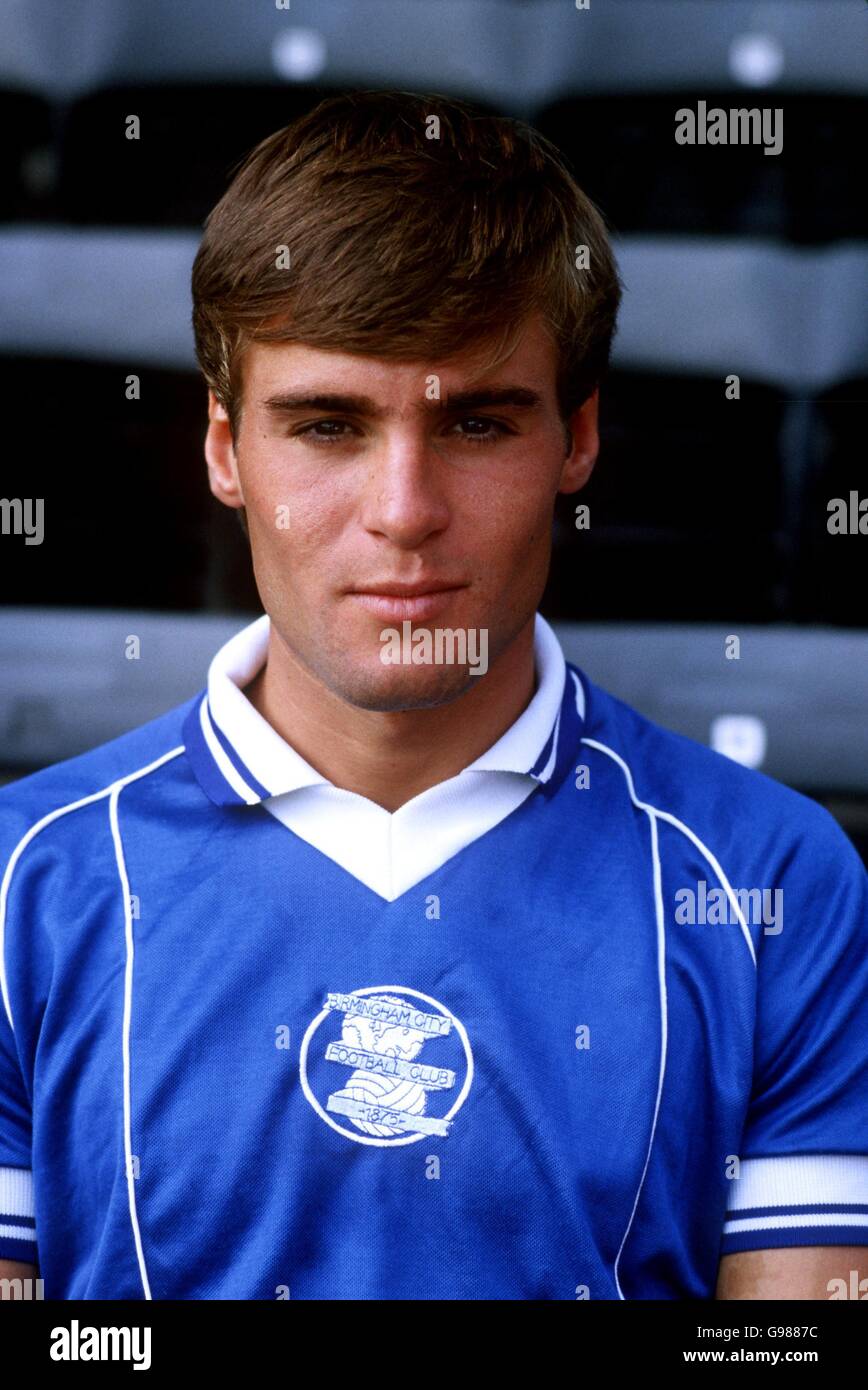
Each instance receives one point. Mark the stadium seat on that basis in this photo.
(123, 482)
(27, 162)
(190, 138)
(832, 579)
(684, 507)
(625, 156)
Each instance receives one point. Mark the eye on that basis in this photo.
(473, 429)
(324, 431)
(483, 429)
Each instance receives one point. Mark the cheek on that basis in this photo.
(292, 512)
(519, 519)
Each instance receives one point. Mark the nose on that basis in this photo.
(406, 497)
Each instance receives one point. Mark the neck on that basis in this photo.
(390, 757)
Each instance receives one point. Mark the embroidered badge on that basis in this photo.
(386, 1089)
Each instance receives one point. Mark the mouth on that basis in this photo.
(397, 602)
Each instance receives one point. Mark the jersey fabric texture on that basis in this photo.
(611, 1028)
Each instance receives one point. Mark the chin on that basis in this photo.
(403, 687)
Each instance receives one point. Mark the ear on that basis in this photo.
(223, 476)
(585, 440)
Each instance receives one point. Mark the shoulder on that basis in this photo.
(53, 793)
(694, 789)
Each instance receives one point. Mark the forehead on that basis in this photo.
(532, 362)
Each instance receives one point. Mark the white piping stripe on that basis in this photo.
(18, 1233)
(128, 999)
(233, 777)
(580, 695)
(34, 830)
(685, 830)
(112, 791)
(664, 1032)
(781, 1223)
(16, 1192)
(553, 755)
(652, 812)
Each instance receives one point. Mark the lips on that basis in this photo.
(395, 601)
(401, 588)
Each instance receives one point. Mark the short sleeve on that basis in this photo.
(17, 1224)
(803, 1165)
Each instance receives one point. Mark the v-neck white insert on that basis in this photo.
(389, 852)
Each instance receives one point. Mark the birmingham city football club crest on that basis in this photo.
(386, 1065)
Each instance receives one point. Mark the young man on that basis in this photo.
(371, 971)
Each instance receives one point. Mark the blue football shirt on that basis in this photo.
(582, 1052)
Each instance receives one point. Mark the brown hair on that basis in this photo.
(401, 244)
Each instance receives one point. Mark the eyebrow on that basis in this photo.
(514, 397)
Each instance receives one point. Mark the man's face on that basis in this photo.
(370, 501)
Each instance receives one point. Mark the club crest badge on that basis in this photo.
(386, 1065)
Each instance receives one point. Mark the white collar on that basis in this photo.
(254, 762)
